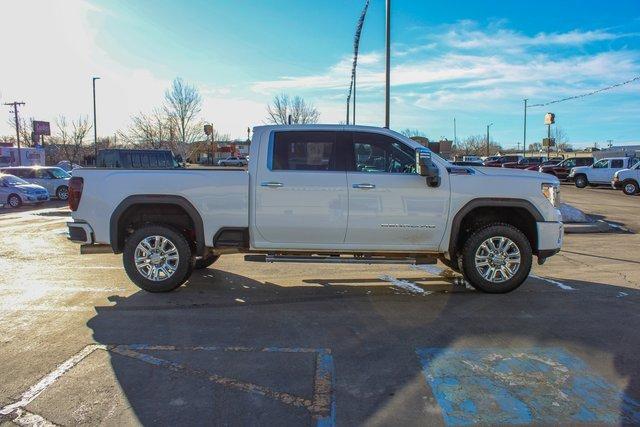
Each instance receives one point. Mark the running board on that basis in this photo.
(320, 259)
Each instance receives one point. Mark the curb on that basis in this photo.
(587, 227)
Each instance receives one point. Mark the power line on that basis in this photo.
(585, 94)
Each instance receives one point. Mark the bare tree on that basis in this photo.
(475, 145)
(154, 130)
(72, 135)
(183, 104)
(561, 137)
(24, 129)
(283, 106)
(536, 146)
(409, 133)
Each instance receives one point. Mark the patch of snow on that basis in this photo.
(406, 285)
(571, 214)
(554, 282)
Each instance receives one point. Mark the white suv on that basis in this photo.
(628, 180)
(53, 178)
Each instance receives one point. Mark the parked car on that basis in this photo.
(466, 163)
(67, 165)
(552, 162)
(15, 191)
(600, 173)
(524, 163)
(502, 160)
(628, 180)
(471, 159)
(53, 178)
(136, 159)
(321, 194)
(562, 169)
(233, 161)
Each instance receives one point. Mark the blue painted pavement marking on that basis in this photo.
(521, 386)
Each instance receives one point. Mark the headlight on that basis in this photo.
(552, 193)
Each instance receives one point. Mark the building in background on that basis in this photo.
(618, 151)
(444, 147)
(28, 156)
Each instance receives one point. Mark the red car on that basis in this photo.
(502, 160)
(562, 169)
(524, 163)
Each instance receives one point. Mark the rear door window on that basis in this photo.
(305, 151)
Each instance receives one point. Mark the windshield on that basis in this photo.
(59, 173)
(12, 181)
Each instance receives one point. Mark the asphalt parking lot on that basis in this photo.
(257, 344)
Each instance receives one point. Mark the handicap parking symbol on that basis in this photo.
(522, 386)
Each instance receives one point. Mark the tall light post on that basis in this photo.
(488, 126)
(95, 130)
(524, 136)
(387, 87)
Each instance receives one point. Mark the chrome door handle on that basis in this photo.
(364, 186)
(271, 184)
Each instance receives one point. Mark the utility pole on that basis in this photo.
(354, 97)
(488, 126)
(95, 130)
(15, 105)
(387, 95)
(524, 137)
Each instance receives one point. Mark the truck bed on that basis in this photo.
(221, 197)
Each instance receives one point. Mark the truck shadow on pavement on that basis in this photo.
(540, 354)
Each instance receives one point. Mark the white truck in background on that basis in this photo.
(321, 194)
(627, 180)
(599, 173)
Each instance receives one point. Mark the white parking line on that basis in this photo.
(33, 392)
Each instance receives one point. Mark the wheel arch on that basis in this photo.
(136, 204)
(524, 216)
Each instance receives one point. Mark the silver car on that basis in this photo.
(16, 192)
(53, 178)
(233, 161)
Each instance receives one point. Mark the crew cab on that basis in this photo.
(323, 194)
(496, 163)
(562, 169)
(601, 172)
(628, 180)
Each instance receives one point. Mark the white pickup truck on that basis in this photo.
(323, 194)
(627, 180)
(599, 173)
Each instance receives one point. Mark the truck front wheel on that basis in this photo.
(496, 258)
(157, 258)
(581, 181)
(630, 187)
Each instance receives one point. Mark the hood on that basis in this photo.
(515, 173)
(30, 187)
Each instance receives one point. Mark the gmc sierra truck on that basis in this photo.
(321, 194)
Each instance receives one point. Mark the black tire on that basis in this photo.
(14, 201)
(581, 181)
(62, 192)
(630, 187)
(205, 261)
(183, 268)
(472, 245)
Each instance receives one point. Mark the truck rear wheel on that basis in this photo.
(157, 258)
(497, 258)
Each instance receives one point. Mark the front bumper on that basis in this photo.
(31, 199)
(550, 237)
(80, 232)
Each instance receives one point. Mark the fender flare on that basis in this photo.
(147, 199)
(488, 202)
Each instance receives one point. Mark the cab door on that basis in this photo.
(301, 193)
(600, 171)
(390, 205)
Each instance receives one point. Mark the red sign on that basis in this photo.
(41, 128)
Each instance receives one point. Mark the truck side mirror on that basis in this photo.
(425, 167)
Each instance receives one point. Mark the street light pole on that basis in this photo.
(387, 96)
(488, 126)
(95, 130)
(524, 137)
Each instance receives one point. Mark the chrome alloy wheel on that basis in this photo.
(630, 188)
(156, 258)
(498, 259)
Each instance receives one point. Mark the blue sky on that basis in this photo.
(473, 60)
